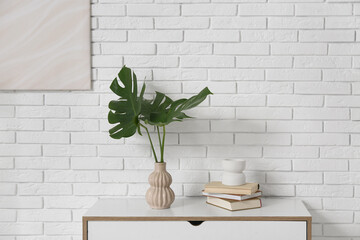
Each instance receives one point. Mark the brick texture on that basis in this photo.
(285, 74)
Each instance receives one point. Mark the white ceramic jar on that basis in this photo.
(233, 172)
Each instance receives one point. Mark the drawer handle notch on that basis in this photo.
(196, 223)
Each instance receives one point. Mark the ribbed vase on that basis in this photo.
(160, 195)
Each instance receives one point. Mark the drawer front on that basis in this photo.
(209, 230)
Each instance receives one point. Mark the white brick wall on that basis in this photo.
(285, 74)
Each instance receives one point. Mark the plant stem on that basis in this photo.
(160, 144)
(151, 143)
(158, 131)
(163, 145)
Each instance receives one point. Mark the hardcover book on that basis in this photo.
(238, 197)
(218, 187)
(234, 205)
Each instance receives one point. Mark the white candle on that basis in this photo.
(233, 172)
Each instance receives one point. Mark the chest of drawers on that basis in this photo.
(192, 218)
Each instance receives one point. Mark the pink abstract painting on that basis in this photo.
(45, 45)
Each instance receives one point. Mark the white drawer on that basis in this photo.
(209, 230)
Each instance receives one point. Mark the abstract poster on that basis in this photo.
(45, 45)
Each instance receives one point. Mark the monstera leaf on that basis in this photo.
(125, 111)
(129, 109)
(163, 110)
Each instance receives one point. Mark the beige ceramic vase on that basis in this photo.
(160, 195)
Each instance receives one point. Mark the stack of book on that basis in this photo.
(233, 198)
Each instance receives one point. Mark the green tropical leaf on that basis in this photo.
(125, 111)
(163, 110)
